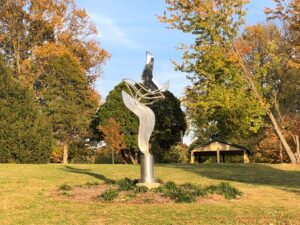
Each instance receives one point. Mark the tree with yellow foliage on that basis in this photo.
(33, 27)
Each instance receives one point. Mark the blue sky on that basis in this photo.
(128, 28)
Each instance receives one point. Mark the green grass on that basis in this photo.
(271, 195)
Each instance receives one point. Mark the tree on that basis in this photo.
(269, 55)
(28, 27)
(115, 108)
(287, 11)
(67, 99)
(25, 134)
(112, 136)
(215, 25)
(170, 121)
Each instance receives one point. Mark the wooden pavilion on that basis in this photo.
(219, 149)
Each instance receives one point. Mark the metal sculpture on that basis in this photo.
(140, 95)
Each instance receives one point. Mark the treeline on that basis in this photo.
(49, 62)
(245, 80)
(50, 111)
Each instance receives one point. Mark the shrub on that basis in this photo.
(109, 195)
(225, 189)
(79, 152)
(196, 189)
(176, 154)
(25, 134)
(57, 154)
(141, 189)
(177, 193)
(188, 192)
(65, 187)
(126, 184)
(89, 184)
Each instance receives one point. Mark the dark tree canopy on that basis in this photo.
(25, 135)
(67, 99)
(170, 119)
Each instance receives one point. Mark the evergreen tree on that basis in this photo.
(64, 91)
(25, 135)
(170, 122)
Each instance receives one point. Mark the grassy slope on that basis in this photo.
(271, 195)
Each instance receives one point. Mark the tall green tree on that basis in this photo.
(25, 134)
(219, 102)
(170, 121)
(215, 26)
(67, 99)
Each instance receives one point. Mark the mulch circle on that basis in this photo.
(84, 193)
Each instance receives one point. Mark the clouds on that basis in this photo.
(111, 33)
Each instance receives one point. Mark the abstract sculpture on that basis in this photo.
(140, 95)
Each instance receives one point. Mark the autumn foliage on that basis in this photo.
(34, 28)
(112, 136)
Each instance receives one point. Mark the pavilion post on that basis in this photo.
(246, 158)
(192, 157)
(218, 156)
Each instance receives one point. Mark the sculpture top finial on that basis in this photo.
(149, 58)
(148, 72)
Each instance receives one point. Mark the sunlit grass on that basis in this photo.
(271, 195)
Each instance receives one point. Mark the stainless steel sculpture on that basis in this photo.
(140, 95)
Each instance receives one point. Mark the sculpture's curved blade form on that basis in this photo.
(162, 87)
(146, 118)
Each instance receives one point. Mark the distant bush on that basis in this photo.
(25, 134)
(57, 154)
(79, 152)
(177, 154)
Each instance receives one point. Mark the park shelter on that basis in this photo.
(219, 149)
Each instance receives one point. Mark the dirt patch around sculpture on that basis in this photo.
(125, 191)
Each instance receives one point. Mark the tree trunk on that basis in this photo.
(281, 156)
(282, 138)
(66, 147)
(112, 156)
(298, 149)
(132, 159)
(124, 156)
(248, 77)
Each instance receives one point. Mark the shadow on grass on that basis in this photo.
(71, 169)
(256, 174)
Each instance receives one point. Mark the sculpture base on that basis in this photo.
(148, 185)
(147, 172)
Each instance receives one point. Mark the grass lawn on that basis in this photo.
(271, 195)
